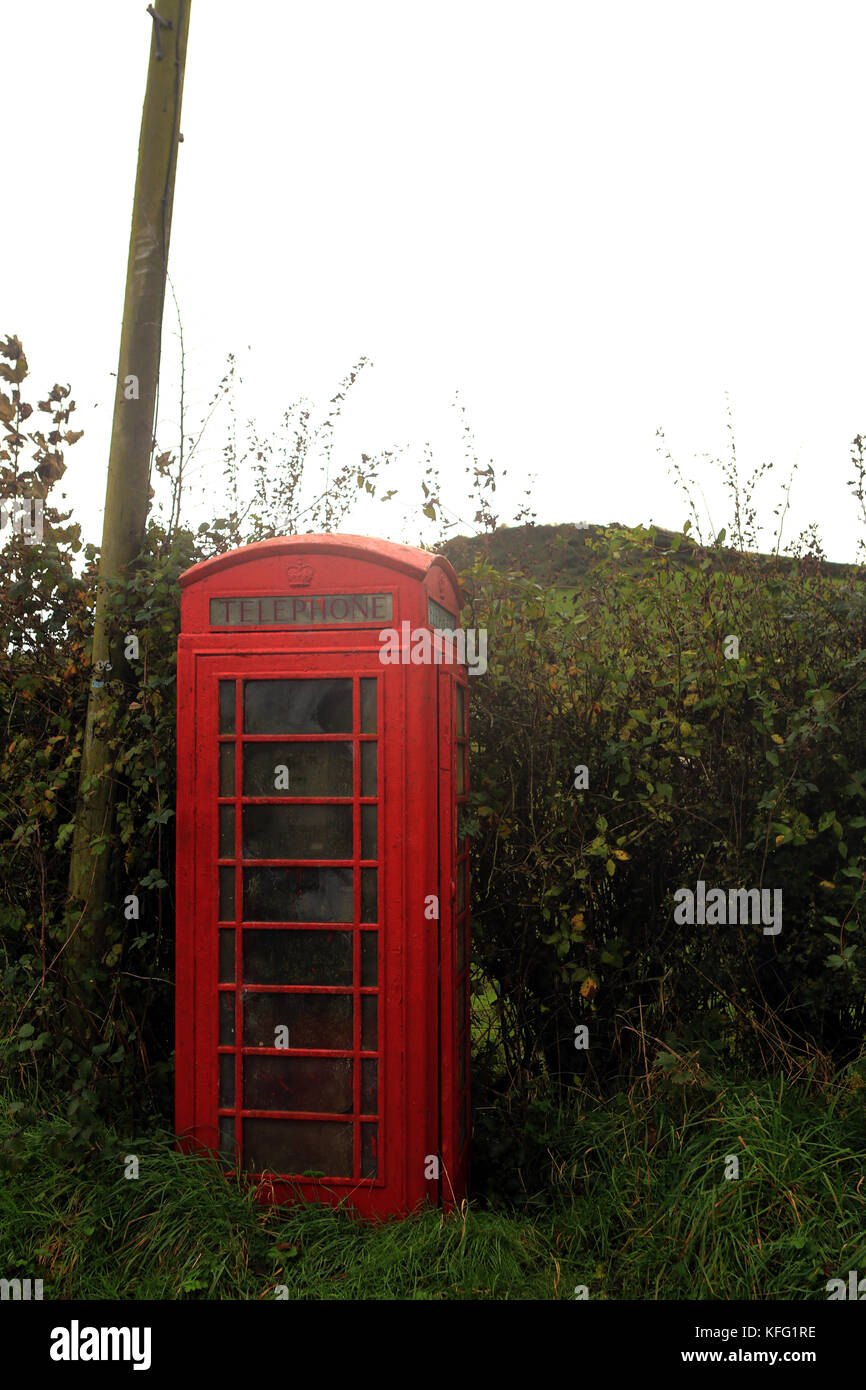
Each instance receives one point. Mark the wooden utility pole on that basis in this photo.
(127, 496)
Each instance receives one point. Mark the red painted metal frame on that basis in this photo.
(420, 1094)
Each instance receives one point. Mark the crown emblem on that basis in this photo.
(299, 575)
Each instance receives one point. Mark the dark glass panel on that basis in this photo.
(320, 1084)
(461, 768)
(313, 1020)
(461, 886)
(461, 944)
(369, 963)
(368, 832)
(369, 1086)
(368, 769)
(298, 1146)
(369, 1150)
(227, 1080)
(227, 957)
(227, 707)
(461, 711)
(369, 1022)
(298, 707)
(461, 1125)
(297, 957)
(227, 1017)
(368, 706)
(304, 894)
(314, 769)
(227, 769)
(461, 1005)
(227, 832)
(298, 832)
(369, 895)
(227, 894)
(227, 1138)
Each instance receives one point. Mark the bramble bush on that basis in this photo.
(744, 771)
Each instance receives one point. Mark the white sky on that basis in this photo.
(588, 219)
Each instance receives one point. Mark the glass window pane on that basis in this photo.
(369, 1086)
(227, 1018)
(461, 944)
(369, 895)
(227, 769)
(297, 957)
(461, 886)
(368, 706)
(368, 769)
(227, 707)
(461, 1062)
(369, 1151)
(304, 894)
(461, 768)
(369, 963)
(369, 1022)
(298, 1147)
(227, 1080)
(227, 832)
(461, 1005)
(313, 1020)
(368, 831)
(298, 707)
(461, 711)
(227, 1138)
(461, 1124)
(298, 832)
(227, 957)
(319, 1084)
(312, 769)
(227, 894)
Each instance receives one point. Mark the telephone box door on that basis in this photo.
(294, 946)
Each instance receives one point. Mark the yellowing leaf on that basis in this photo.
(621, 854)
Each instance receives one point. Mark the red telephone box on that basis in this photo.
(322, 881)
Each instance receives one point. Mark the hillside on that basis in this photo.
(559, 555)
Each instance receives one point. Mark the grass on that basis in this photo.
(628, 1199)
